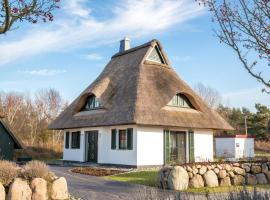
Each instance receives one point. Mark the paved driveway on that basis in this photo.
(95, 188)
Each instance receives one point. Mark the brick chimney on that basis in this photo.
(124, 45)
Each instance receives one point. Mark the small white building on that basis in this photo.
(138, 112)
(234, 146)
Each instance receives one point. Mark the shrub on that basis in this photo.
(35, 169)
(8, 171)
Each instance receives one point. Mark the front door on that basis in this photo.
(175, 149)
(92, 146)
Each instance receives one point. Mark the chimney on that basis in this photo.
(124, 45)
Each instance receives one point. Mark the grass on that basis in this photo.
(259, 153)
(146, 177)
(150, 178)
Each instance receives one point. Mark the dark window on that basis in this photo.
(67, 140)
(75, 140)
(113, 139)
(91, 103)
(180, 100)
(122, 139)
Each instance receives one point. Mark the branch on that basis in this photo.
(4, 27)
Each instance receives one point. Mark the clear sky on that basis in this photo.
(69, 53)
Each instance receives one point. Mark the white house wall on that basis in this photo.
(244, 147)
(106, 155)
(75, 154)
(150, 146)
(225, 147)
(203, 145)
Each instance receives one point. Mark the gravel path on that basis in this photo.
(96, 188)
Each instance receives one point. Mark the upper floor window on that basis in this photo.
(91, 103)
(180, 100)
(156, 56)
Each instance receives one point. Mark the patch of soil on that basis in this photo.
(96, 171)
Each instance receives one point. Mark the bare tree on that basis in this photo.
(208, 94)
(32, 11)
(29, 117)
(244, 25)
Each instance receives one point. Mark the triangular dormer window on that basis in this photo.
(91, 104)
(156, 56)
(180, 100)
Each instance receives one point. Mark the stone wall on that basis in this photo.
(214, 174)
(37, 189)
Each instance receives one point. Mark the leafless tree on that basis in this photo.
(29, 117)
(244, 25)
(208, 94)
(32, 11)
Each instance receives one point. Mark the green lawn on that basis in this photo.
(262, 153)
(150, 178)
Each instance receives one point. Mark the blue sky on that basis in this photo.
(69, 53)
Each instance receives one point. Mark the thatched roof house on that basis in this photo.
(139, 88)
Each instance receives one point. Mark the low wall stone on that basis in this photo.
(2, 192)
(38, 189)
(214, 174)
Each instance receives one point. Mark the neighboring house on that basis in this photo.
(8, 142)
(138, 112)
(234, 146)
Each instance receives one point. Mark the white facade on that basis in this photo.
(148, 146)
(203, 145)
(234, 147)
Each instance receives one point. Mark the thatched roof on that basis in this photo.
(133, 90)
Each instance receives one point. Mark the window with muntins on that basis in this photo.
(125, 139)
(91, 103)
(75, 140)
(180, 100)
(156, 56)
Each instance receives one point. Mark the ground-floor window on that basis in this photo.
(125, 139)
(75, 140)
(122, 139)
(175, 144)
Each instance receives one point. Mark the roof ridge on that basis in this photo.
(150, 43)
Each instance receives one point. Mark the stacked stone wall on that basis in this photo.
(214, 174)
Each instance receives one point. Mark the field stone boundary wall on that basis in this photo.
(182, 177)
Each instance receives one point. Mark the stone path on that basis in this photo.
(96, 188)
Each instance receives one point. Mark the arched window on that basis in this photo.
(180, 100)
(91, 103)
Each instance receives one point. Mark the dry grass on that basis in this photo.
(8, 171)
(262, 145)
(36, 169)
(41, 152)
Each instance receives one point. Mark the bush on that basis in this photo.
(8, 171)
(35, 169)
